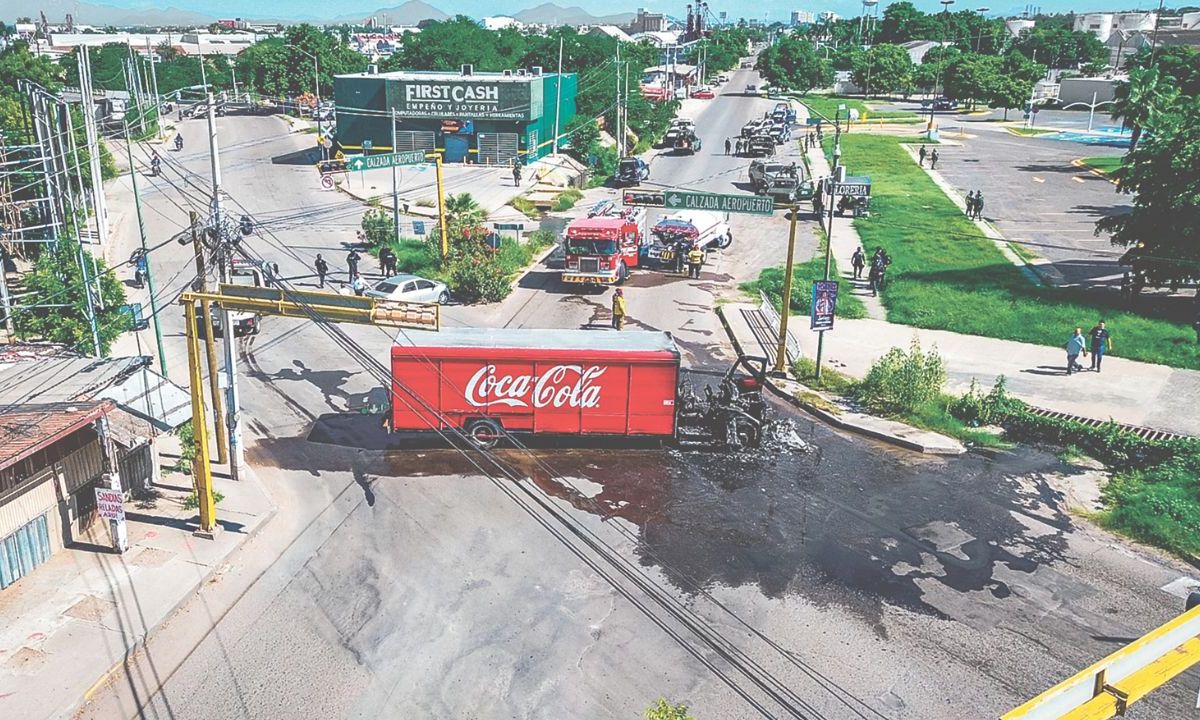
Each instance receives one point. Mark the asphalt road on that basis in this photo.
(1040, 201)
(399, 581)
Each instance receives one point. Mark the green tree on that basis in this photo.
(972, 77)
(663, 710)
(884, 68)
(278, 67)
(1162, 172)
(794, 64)
(56, 279)
(1060, 47)
(1177, 64)
(1135, 98)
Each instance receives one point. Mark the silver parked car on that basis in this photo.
(410, 288)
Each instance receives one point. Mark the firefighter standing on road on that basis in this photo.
(618, 309)
(695, 259)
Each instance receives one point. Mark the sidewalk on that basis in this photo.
(745, 325)
(1127, 391)
(65, 626)
(844, 240)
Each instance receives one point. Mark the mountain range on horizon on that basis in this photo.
(199, 12)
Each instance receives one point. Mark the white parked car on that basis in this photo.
(410, 288)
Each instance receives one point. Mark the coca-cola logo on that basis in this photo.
(559, 386)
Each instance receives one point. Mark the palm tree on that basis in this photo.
(462, 209)
(1135, 99)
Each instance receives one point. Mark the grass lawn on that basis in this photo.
(770, 281)
(1104, 163)
(827, 105)
(946, 275)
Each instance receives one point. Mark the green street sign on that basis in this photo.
(745, 204)
(375, 162)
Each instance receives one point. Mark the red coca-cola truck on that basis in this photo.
(490, 382)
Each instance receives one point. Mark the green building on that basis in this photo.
(485, 118)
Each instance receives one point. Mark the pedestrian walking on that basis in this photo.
(1101, 344)
(1127, 290)
(352, 263)
(921, 156)
(358, 285)
(858, 261)
(1076, 344)
(387, 259)
(873, 277)
(516, 173)
(1196, 326)
(970, 203)
(618, 309)
(978, 204)
(818, 202)
(728, 145)
(695, 261)
(933, 158)
(322, 269)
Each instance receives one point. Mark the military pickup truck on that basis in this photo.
(785, 182)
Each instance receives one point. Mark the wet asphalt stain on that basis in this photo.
(848, 524)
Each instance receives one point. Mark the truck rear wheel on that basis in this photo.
(484, 433)
(725, 241)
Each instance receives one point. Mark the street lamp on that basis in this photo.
(316, 76)
(937, 79)
(979, 38)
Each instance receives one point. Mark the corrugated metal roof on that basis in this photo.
(128, 381)
(30, 428)
(592, 340)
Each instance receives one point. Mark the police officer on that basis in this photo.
(387, 258)
(695, 259)
(322, 269)
(352, 263)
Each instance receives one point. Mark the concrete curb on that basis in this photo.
(951, 446)
(139, 641)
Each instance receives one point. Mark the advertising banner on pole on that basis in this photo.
(824, 304)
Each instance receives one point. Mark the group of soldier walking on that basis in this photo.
(876, 276)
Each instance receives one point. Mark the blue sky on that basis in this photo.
(769, 9)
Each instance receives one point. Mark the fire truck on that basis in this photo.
(602, 246)
(490, 382)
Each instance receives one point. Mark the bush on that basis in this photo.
(567, 199)
(192, 502)
(901, 382)
(526, 207)
(187, 448)
(378, 228)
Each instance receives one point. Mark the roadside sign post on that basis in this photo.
(386, 160)
(824, 304)
(712, 202)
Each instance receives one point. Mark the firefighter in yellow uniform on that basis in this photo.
(618, 309)
(695, 260)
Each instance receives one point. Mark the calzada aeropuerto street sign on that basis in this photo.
(376, 162)
(746, 204)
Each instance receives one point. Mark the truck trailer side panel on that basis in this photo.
(567, 390)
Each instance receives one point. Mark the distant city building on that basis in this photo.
(611, 31)
(829, 16)
(661, 38)
(1190, 21)
(1102, 25)
(803, 17)
(646, 22)
(187, 43)
(1016, 27)
(501, 22)
(1123, 44)
(918, 49)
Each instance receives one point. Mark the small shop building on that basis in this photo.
(469, 117)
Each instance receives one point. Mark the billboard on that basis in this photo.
(824, 304)
(466, 98)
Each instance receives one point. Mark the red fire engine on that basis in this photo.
(601, 247)
(489, 382)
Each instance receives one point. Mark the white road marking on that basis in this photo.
(1038, 180)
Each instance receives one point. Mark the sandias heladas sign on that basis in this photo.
(465, 99)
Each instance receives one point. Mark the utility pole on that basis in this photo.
(620, 135)
(441, 191)
(137, 203)
(786, 309)
(91, 305)
(558, 92)
(232, 403)
(838, 175)
(154, 86)
(91, 134)
(201, 468)
(395, 184)
(203, 77)
(210, 349)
